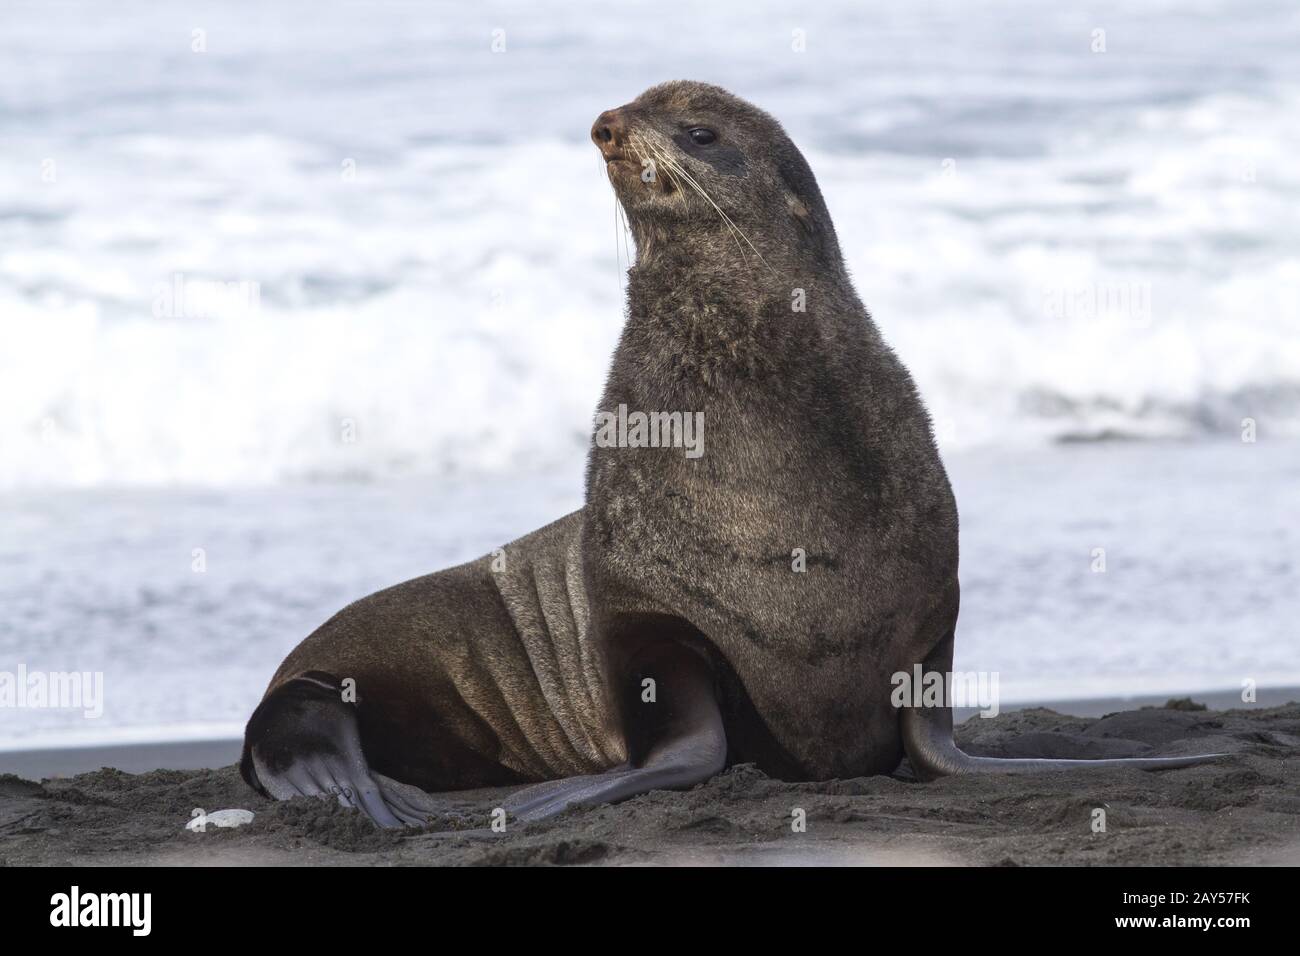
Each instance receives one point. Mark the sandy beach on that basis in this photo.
(1242, 811)
(301, 301)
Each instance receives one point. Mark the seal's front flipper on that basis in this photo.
(679, 764)
(302, 741)
(676, 739)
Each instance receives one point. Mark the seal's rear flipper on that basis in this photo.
(302, 741)
(927, 738)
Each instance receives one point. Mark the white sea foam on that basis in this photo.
(453, 304)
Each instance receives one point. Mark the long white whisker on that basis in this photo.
(732, 229)
(657, 156)
(727, 219)
(677, 168)
(627, 233)
(618, 260)
(670, 169)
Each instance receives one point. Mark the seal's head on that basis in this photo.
(691, 162)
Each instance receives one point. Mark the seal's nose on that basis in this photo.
(609, 133)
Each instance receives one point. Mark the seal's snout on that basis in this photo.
(609, 133)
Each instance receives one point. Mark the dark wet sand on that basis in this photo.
(1242, 811)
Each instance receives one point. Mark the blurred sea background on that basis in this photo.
(1077, 226)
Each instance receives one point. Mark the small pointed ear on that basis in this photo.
(798, 208)
(811, 236)
(801, 214)
(804, 201)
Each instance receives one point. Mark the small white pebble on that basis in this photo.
(221, 818)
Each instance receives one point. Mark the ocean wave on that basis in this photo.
(263, 296)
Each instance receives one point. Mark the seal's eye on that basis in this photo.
(702, 136)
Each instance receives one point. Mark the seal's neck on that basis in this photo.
(711, 248)
(719, 321)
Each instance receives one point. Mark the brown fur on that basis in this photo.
(815, 439)
(473, 677)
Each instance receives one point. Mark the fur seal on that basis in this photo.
(664, 630)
